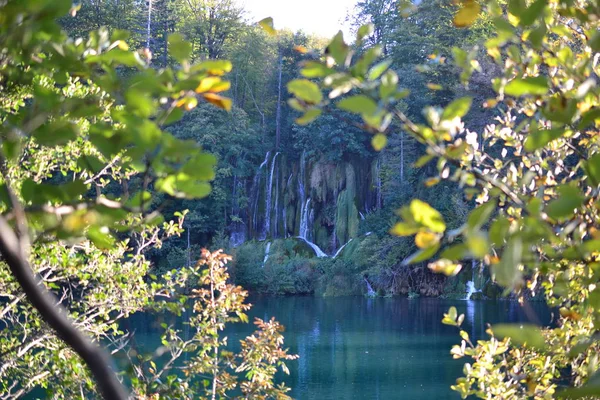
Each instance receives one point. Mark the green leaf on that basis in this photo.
(314, 69)
(379, 141)
(507, 271)
(538, 139)
(499, 230)
(305, 90)
(421, 255)
(309, 116)
(592, 169)
(101, 237)
(377, 70)
(201, 167)
(56, 133)
(537, 85)
(267, 25)
(525, 334)
(359, 104)
(569, 199)
(532, 13)
(364, 31)
(594, 41)
(190, 189)
(140, 199)
(404, 229)
(338, 49)
(458, 108)
(179, 48)
(478, 244)
(481, 215)
(455, 252)
(589, 118)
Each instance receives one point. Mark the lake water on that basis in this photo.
(360, 348)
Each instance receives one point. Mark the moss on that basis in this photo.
(346, 222)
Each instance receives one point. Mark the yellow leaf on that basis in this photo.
(267, 25)
(207, 83)
(219, 101)
(467, 14)
(379, 141)
(434, 86)
(425, 240)
(445, 267)
(432, 181)
(301, 49)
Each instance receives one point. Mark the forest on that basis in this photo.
(196, 204)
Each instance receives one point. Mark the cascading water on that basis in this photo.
(304, 217)
(267, 250)
(255, 190)
(319, 253)
(471, 289)
(337, 253)
(267, 228)
(301, 178)
(370, 291)
(305, 228)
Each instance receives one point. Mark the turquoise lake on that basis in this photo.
(361, 348)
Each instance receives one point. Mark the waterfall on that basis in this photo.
(267, 249)
(370, 291)
(337, 253)
(302, 176)
(311, 221)
(304, 217)
(267, 229)
(255, 194)
(320, 253)
(471, 284)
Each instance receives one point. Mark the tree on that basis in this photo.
(533, 175)
(209, 25)
(82, 146)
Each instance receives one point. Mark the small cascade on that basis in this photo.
(255, 190)
(237, 238)
(320, 253)
(267, 227)
(362, 216)
(471, 289)
(304, 219)
(311, 222)
(370, 291)
(337, 253)
(267, 250)
(301, 177)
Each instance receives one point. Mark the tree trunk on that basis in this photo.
(149, 24)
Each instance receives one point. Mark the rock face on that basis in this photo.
(314, 199)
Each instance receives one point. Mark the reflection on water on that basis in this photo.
(359, 348)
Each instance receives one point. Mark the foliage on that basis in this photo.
(86, 167)
(532, 173)
(209, 368)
